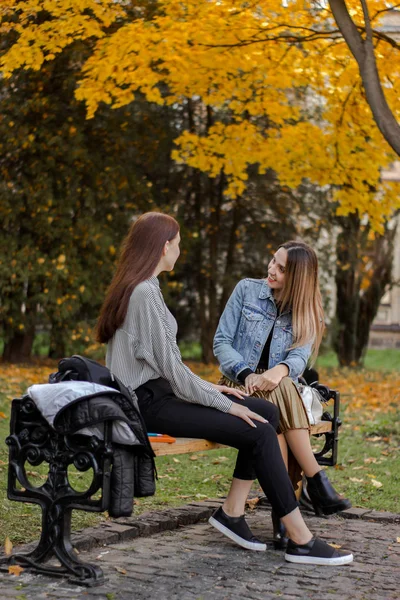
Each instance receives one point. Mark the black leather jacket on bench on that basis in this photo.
(133, 470)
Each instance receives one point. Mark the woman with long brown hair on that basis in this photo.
(142, 351)
(266, 335)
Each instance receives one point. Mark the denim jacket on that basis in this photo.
(244, 327)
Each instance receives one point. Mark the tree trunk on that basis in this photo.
(57, 343)
(230, 257)
(19, 347)
(347, 290)
(359, 290)
(363, 52)
(371, 298)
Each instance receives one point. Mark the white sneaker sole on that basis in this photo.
(315, 560)
(236, 538)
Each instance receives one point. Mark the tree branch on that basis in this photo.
(363, 52)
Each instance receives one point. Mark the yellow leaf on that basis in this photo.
(335, 545)
(121, 570)
(252, 503)
(15, 570)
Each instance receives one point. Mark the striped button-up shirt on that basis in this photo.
(145, 348)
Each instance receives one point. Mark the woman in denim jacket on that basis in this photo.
(265, 337)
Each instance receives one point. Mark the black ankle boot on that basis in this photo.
(280, 535)
(324, 498)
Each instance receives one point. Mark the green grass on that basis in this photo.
(190, 350)
(378, 360)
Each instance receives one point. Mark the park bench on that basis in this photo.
(33, 441)
(329, 428)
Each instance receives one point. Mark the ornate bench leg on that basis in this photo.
(331, 437)
(55, 541)
(31, 440)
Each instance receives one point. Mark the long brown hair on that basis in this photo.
(301, 293)
(141, 252)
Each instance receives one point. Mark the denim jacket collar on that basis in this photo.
(266, 291)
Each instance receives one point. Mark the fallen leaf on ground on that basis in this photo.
(121, 570)
(376, 483)
(3, 415)
(252, 503)
(398, 540)
(355, 480)
(8, 546)
(176, 460)
(15, 570)
(219, 460)
(335, 545)
(193, 457)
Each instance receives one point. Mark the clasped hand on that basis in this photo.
(267, 381)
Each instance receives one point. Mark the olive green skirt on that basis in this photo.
(292, 416)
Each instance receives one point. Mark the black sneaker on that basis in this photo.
(237, 530)
(317, 552)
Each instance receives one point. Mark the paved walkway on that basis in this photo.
(194, 562)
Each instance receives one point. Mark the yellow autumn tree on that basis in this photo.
(287, 90)
(268, 86)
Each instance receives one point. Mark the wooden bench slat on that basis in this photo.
(183, 446)
(322, 427)
(188, 445)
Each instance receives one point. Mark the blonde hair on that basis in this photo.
(301, 293)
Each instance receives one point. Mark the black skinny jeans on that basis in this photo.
(259, 452)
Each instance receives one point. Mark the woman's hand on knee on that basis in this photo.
(224, 389)
(238, 410)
